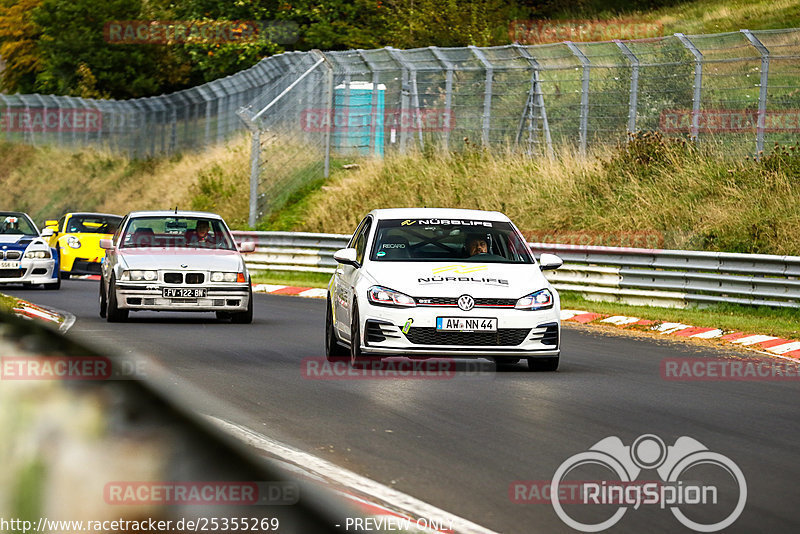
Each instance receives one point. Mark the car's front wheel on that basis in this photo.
(543, 364)
(357, 358)
(333, 351)
(113, 313)
(245, 317)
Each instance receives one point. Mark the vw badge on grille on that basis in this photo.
(466, 303)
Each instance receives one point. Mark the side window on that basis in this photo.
(361, 240)
(355, 235)
(122, 224)
(61, 222)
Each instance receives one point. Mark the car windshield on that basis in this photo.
(16, 223)
(448, 240)
(177, 232)
(93, 224)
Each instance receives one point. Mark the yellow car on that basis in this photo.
(76, 237)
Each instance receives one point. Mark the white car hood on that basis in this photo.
(448, 279)
(182, 259)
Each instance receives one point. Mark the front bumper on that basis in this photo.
(521, 333)
(233, 297)
(38, 271)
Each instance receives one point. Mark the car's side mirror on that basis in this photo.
(51, 224)
(47, 232)
(106, 244)
(247, 246)
(346, 256)
(550, 262)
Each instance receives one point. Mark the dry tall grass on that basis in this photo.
(687, 197)
(47, 182)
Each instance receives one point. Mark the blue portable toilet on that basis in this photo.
(355, 129)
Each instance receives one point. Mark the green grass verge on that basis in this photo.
(291, 278)
(783, 322)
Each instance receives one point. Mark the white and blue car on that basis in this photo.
(25, 256)
(421, 282)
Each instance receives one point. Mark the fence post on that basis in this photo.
(328, 109)
(535, 98)
(448, 94)
(373, 102)
(584, 121)
(634, 91)
(698, 83)
(255, 160)
(762, 93)
(487, 95)
(409, 79)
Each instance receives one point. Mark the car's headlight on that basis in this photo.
(37, 254)
(225, 277)
(73, 242)
(138, 276)
(539, 300)
(388, 297)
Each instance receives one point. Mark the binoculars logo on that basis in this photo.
(627, 462)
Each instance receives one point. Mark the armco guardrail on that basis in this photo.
(672, 278)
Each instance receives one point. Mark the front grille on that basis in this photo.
(194, 278)
(13, 255)
(173, 278)
(453, 301)
(547, 334)
(86, 266)
(508, 337)
(39, 270)
(11, 273)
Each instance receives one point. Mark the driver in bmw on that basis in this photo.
(477, 244)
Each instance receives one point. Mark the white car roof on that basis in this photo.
(438, 213)
(173, 213)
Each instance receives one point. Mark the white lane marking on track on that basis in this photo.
(347, 478)
(709, 335)
(752, 340)
(620, 320)
(569, 314)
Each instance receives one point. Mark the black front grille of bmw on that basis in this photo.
(453, 301)
(13, 255)
(194, 278)
(11, 273)
(173, 278)
(504, 337)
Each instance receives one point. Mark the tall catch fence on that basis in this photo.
(309, 111)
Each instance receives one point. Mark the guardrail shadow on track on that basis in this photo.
(100, 437)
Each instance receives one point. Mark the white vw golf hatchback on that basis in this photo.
(422, 282)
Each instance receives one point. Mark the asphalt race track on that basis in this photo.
(460, 444)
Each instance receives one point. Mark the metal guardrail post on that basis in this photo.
(255, 161)
(634, 91)
(487, 95)
(698, 83)
(448, 94)
(584, 119)
(762, 92)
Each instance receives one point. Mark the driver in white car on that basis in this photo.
(477, 244)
